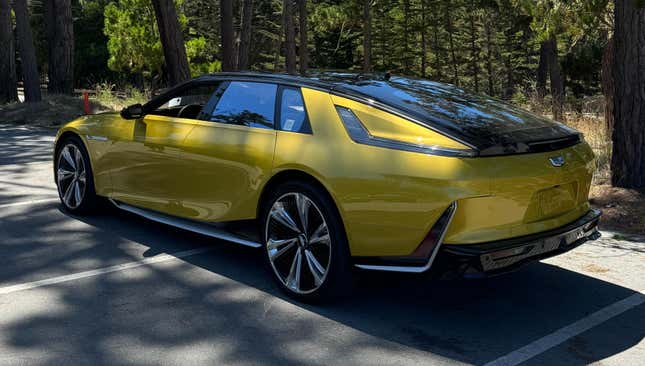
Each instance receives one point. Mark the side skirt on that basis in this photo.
(222, 231)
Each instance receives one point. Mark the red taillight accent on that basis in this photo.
(430, 242)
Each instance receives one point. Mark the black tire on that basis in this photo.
(338, 278)
(89, 201)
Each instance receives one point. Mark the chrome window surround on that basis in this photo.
(359, 134)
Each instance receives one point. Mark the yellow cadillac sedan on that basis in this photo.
(338, 170)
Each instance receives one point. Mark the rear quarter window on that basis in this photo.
(293, 115)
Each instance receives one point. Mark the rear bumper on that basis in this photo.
(493, 258)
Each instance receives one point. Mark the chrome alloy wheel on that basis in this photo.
(71, 176)
(298, 243)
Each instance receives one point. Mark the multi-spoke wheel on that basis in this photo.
(74, 176)
(305, 243)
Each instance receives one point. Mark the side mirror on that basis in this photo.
(134, 111)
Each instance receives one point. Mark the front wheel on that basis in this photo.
(305, 243)
(74, 177)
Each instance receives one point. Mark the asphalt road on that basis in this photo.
(117, 289)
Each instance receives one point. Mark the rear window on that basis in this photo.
(481, 121)
(466, 112)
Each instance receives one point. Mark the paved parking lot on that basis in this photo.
(116, 289)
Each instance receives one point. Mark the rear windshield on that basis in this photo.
(484, 122)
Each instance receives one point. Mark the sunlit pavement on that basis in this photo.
(117, 289)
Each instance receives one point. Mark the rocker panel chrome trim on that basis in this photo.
(197, 227)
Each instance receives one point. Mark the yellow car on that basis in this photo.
(339, 170)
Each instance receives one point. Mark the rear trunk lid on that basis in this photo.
(530, 193)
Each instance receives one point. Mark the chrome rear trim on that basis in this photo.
(415, 269)
(208, 229)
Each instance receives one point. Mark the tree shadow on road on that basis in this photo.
(207, 307)
(21, 145)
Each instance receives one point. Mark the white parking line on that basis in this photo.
(30, 202)
(100, 271)
(563, 334)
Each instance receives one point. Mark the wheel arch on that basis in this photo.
(298, 175)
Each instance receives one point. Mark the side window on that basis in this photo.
(186, 103)
(293, 116)
(248, 104)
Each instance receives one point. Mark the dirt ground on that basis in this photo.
(623, 209)
(51, 112)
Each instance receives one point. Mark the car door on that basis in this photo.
(149, 170)
(231, 153)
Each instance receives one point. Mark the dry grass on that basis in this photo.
(596, 135)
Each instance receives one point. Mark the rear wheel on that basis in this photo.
(74, 177)
(305, 243)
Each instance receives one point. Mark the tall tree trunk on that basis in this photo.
(289, 36)
(473, 47)
(451, 43)
(367, 36)
(8, 84)
(608, 86)
(304, 52)
(542, 70)
(245, 37)
(557, 82)
(28, 62)
(384, 48)
(509, 88)
(424, 46)
(436, 46)
(276, 58)
(226, 24)
(489, 58)
(172, 41)
(406, 36)
(60, 37)
(628, 159)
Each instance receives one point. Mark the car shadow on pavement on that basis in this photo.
(203, 301)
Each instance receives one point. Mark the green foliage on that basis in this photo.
(490, 46)
(199, 57)
(90, 46)
(336, 33)
(133, 38)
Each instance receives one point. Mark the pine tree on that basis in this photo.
(8, 85)
(28, 62)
